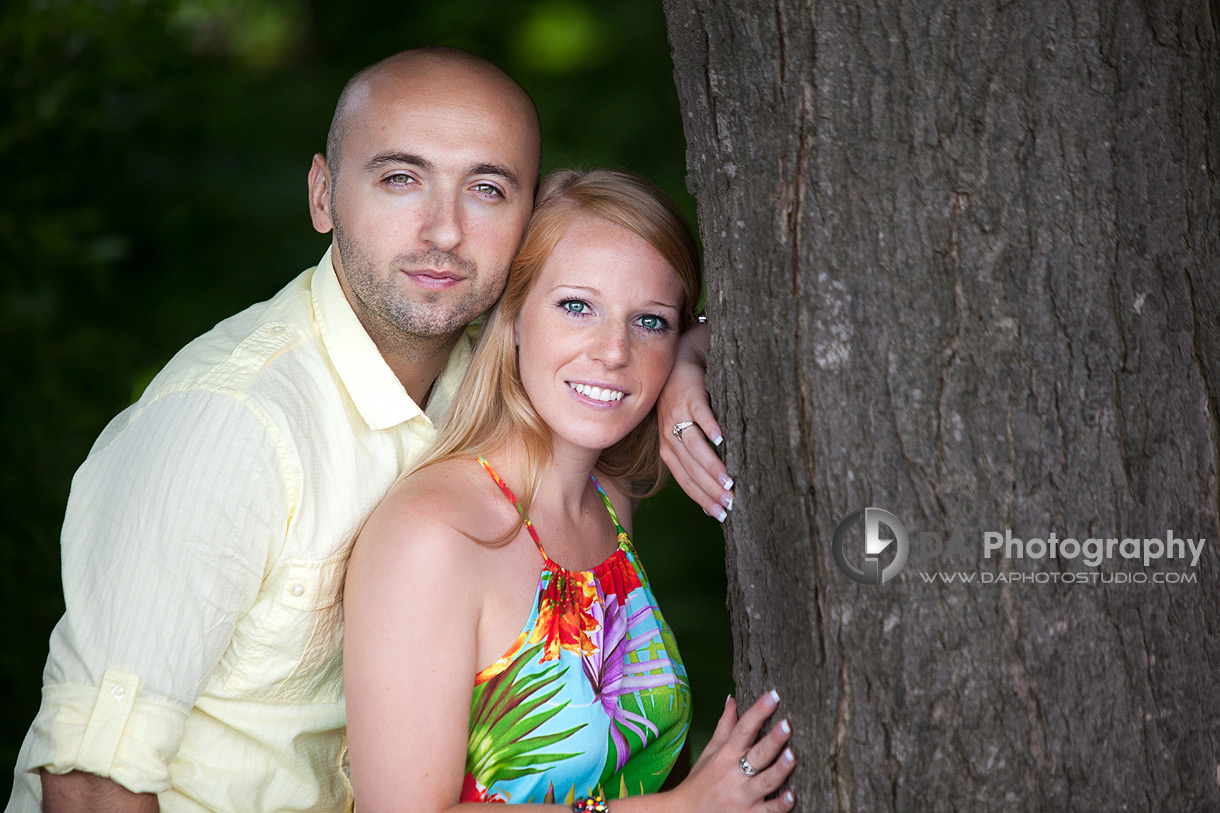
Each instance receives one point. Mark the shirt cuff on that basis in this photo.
(109, 731)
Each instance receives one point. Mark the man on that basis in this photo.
(197, 666)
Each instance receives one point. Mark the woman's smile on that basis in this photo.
(601, 395)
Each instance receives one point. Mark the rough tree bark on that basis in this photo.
(964, 265)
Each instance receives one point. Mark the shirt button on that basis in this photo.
(277, 328)
(118, 692)
(297, 589)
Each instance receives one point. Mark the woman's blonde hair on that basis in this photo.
(491, 404)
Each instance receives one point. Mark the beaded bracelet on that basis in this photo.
(591, 804)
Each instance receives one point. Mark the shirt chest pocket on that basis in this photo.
(294, 655)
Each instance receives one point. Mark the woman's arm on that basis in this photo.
(690, 457)
(409, 657)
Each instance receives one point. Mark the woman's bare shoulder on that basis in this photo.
(446, 503)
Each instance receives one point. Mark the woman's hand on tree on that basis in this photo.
(719, 780)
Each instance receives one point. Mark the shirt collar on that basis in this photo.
(446, 385)
(379, 396)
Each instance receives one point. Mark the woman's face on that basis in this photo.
(598, 332)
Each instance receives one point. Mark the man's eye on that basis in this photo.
(488, 189)
(399, 179)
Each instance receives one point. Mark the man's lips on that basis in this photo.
(434, 280)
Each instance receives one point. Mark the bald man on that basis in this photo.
(198, 666)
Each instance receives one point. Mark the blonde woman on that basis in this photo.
(502, 640)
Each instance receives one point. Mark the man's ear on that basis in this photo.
(319, 194)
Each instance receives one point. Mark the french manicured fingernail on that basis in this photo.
(774, 696)
(787, 758)
(721, 515)
(789, 798)
(784, 727)
(726, 501)
(728, 699)
(726, 482)
(716, 441)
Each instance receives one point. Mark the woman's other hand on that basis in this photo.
(719, 780)
(689, 454)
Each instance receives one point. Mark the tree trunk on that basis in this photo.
(964, 265)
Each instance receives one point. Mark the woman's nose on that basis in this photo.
(612, 345)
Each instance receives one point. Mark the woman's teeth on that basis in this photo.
(597, 393)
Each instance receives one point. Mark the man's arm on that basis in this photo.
(76, 791)
(165, 543)
(690, 457)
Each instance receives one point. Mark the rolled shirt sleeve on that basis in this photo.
(171, 524)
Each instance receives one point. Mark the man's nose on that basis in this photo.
(443, 222)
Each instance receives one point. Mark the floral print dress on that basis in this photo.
(592, 697)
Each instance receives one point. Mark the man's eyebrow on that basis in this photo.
(391, 158)
(382, 159)
(507, 174)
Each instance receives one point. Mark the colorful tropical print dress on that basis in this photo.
(592, 697)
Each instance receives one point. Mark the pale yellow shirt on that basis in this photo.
(204, 549)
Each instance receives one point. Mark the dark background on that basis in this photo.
(153, 158)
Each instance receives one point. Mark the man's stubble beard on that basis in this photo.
(413, 326)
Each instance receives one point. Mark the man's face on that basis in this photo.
(434, 189)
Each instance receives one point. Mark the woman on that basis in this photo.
(522, 510)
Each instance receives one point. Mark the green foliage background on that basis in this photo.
(153, 158)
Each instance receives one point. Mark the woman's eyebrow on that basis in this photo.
(591, 290)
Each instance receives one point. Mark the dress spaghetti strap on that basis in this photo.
(529, 525)
(622, 535)
(508, 492)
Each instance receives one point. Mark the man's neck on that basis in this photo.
(417, 361)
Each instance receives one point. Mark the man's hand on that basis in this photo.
(690, 458)
(75, 791)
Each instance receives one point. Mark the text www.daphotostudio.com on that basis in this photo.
(1170, 559)
(1093, 552)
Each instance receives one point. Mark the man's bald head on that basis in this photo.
(421, 65)
(439, 151)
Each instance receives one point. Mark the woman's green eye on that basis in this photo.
(575, 306)
(653, 323)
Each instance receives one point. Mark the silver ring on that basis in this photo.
(745, 767)
(679, 428)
